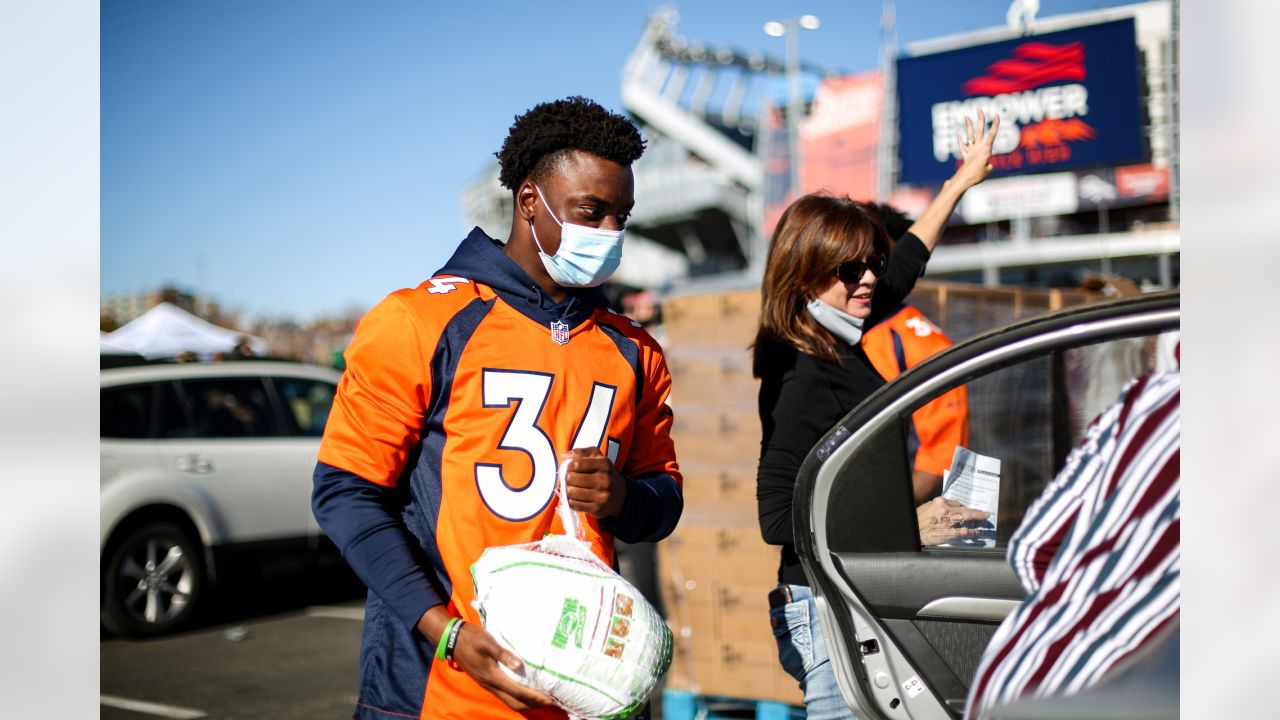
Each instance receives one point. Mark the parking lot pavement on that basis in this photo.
(281, 647)
(301, 663)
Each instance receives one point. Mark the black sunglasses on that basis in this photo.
(850, 271)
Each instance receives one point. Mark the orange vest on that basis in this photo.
(902, 341)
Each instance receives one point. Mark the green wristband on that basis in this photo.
(444, 637)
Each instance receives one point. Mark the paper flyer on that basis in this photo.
(974, 480)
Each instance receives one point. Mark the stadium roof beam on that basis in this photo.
(654, 79)
(732, 110)
(657, 107)
(702, 93)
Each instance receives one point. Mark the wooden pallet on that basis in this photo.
(685, 705)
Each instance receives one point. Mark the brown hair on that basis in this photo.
(815, 234)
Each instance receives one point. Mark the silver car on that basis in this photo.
(906, 625)
(206, 472)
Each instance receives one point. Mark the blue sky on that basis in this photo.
(291, 159)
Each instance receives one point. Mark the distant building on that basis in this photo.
(123, 308)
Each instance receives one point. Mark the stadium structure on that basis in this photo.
(1086, 183)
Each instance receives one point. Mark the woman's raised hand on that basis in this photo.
(975, 150)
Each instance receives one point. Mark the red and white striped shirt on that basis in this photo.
(1098, 554)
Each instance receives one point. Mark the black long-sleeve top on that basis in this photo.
(802, 397)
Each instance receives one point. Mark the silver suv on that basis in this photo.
(205, 467)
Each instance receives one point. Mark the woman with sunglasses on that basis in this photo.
(829, 274)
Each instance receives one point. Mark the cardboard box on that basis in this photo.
(687, 672)
(750, 568)
(707, 435)
(750, 669)
(714, 580)
(718, 377)
(690, 613)
(741, 611)
(718, 539)
(725, 319)
(743, 664)
(716, 488)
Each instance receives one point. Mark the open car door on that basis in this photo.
(906, 625)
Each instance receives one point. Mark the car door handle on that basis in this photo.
(969, 608)
(196, 464)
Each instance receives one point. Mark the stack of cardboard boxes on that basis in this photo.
(715, 570)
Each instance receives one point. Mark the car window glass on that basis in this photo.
(1095, 375)
(1012, 420)
(306, 404)
(228, 408)
(126, 412)
(172, 419)
(1028, 416)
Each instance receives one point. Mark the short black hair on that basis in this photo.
(894, 221)
(544, 135)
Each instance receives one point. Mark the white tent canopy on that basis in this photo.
(168, 331)
(110, 348)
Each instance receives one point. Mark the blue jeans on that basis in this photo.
(802, 650)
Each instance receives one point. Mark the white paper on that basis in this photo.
(974, 480)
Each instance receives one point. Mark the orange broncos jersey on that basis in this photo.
(451, 390)
(901, 341)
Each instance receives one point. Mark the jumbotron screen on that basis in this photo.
(1066, 99)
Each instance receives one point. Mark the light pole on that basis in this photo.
(790, 29)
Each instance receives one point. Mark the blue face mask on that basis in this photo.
(587, 256)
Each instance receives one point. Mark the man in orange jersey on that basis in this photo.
(902, 340)
(461, 398)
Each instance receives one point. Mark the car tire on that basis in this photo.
(154, 581)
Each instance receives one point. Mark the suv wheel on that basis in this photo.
(154, 580)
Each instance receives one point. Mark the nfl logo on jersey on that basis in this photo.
(559, 331)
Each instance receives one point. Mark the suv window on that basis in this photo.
(229, 408)
(125, 412)
(306, 404)
(172, 418)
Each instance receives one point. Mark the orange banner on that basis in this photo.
(838, 140)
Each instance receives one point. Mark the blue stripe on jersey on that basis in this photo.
(395, 665)
(899, 352)
(422, 515)
(654, 502)
(630, 351)
(360, 518)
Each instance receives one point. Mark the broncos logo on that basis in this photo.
(1055, 132)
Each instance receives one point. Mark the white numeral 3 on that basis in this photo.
(529, 390)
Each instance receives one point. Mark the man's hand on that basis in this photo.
(592, 484)
(478, 654)
(940, 520)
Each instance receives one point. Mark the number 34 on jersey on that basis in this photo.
(518, 499)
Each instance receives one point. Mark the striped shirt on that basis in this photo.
(1098, 555)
